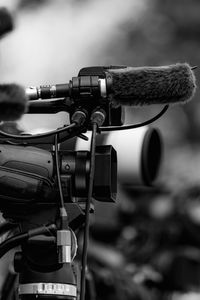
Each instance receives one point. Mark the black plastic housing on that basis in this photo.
(28, 177)
(76, 165)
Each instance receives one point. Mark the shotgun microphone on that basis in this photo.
(125, 85)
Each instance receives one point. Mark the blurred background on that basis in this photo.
(154, 232)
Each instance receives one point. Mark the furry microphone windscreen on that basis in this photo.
(152, 85)
(13, 102)
(6, 21)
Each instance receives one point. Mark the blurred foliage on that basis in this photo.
(158, 231)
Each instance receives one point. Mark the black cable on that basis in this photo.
(40, 135)
(87, 211)
(63, 213)
(12, 242)
(62, 204)
(17, 239)
(132, 126)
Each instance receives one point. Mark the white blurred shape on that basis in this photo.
(43, 122)
(51, 43)
(139, 153)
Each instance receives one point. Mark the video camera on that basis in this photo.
(48, 192)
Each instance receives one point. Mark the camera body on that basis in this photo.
(28, 176)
